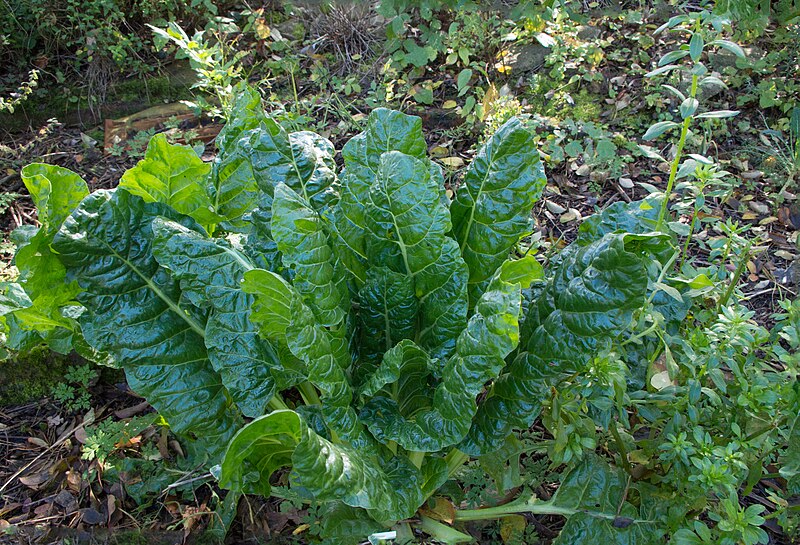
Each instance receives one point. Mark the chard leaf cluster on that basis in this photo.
(354, 331)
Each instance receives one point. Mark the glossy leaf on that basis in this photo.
(386, 130)
(407, 227)
(272, 309)
(302, 160)
(56, 192)
(492, 208)
(416, 425)
(637, 217)
(301, 238)
(728, 45)
(234, 191)
(325, 471)
(589, 300)
(718, 114)
(247, 113)
(136, 312)
(657, 129)
(173, 175)
(595, 493)
(696, 44)
(388, 314)
(210, 273)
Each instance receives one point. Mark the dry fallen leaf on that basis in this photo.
(38, 442)
(439, 509)
(452, 162)
(571, 215)
(555, 208)
(35, 480)
(512, 528)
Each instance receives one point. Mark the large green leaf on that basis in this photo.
(637, 217)
(272, 309)
(302, 160)
(173, 175)
(492, 208)
(234, 191)
(404, 415)
(211, 273)
(269, 156)
(56, 191)
(388, 313)
(595, 494)
(260, 245)
(136, 312)
(390, 130)
(283, 316)
(345, 525)
(386, 130)
(407, 227)
(588, 302)
(301, 238)
(324, 470)
(316, 346)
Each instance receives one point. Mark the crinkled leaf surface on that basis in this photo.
(173, 175)
(388, 315)
(301, 238)
(589, 300)
(492, 208)
(407, 227)
(386, 130)
(272, 310)
(283, 316)
(136, 312)
(211, 273)
(596, 493)
(247, 113)
(301, 160)
(326, 471)
(55, 191)
(637, 217)
(491, 334)
(234, 192)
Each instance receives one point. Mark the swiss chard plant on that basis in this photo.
(353, 329)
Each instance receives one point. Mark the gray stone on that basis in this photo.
(527, 57)
(588, 32)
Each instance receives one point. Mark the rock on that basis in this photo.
(291, 30)
(721, 59)
(571, 215)
(626, 183)
(588, 32)
(527, 57)
(598, 176)
(92, 516)
(759, 207)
